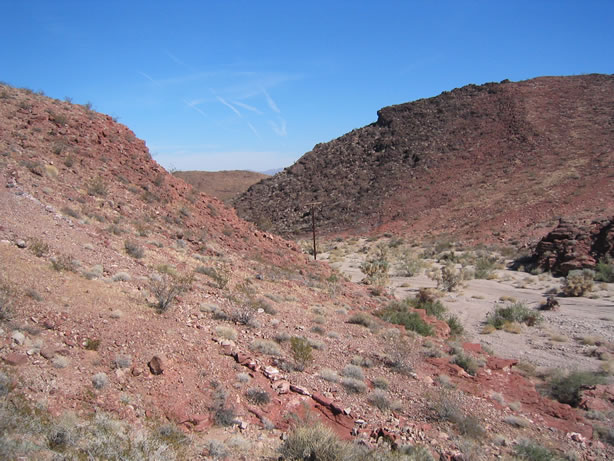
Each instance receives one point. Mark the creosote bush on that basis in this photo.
(400, 313)
(568, 388)
(513, 313)
(134, 249)
(165, 288)
(578, 282)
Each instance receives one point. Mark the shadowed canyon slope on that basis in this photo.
(500, 159)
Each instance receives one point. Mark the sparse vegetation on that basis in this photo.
(6, 301)
(63, 263)
(38, 247)
(376, 267)
(361, 319)
(219, 275)
(97, 187)
(532, 451)
(379, 399)
(466, 362)
(354, 386)
(604, 272)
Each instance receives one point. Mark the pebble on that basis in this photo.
(18, 337)
(20, 243)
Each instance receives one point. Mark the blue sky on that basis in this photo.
(256, 84)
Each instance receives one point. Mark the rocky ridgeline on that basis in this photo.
(575, 246)
(494, 159)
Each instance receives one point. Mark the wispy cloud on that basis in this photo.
(148, 77)
(230, 106)
(247, 107)
(270, 101)
(251, 127)
(279, 128)
(175, 59)
(194, 105)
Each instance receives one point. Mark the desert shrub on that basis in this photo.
(282, 337)
(353, 371)
(257, 396)
(484, 267)
(604, 272)
(302, 352)
(604, 433)
(216, 449)
(121, 277)
(380, 383)
(361, 361)
(578, 282)
(38, 247)
(92, 344)
(376, 268)
(313, 442)
(399, 314)
(6, 301)
(328, 374)
(379, 399)
(568, 388)
(97, 187)
(516, 312)
(446, 407)
(134, 249)
(516, 421)
(100, 380)
(63, 263)
(470, 426)
(410, 264)
(353, 386)
(456, 327)
(361, 319)
(165, 288)
(267, 347)
(448, 277)
(219, 276)
(68, 211)
(432, 307)
(226, 332)
(122, 361)
(223, 414)
(532, 451)
(466, 362)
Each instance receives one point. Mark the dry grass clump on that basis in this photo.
(134, 249)
(266, 347)
(516, 421)
(353, 386)
(380, 383)
(379, 399)
(165, 288)
(328, 374)
(257, 396)
(361, 319)
(353, 371)
(226, 332)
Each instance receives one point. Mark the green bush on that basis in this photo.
(578, 282)
(466, 362)
(456, 327)
(516, 312)
(532, 451)
(568, 388)
(604, 272)
(302, 351)
(399, 314)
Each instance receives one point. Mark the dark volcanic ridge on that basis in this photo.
(497, 160)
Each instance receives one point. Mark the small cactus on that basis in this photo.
(578, 282)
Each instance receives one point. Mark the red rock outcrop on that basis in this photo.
(575, 246)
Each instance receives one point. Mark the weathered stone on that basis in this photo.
(156, 365)
(15, 359)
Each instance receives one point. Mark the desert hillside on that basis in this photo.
(497, 160)
(141, 319)
(224, 185)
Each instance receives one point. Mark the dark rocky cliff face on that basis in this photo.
(502, 158)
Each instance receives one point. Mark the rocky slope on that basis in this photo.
(140, 319)
(500, 159)
(224, 185)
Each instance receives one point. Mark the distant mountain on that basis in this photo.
(500, 158)
(223, 185)
(272, 171)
